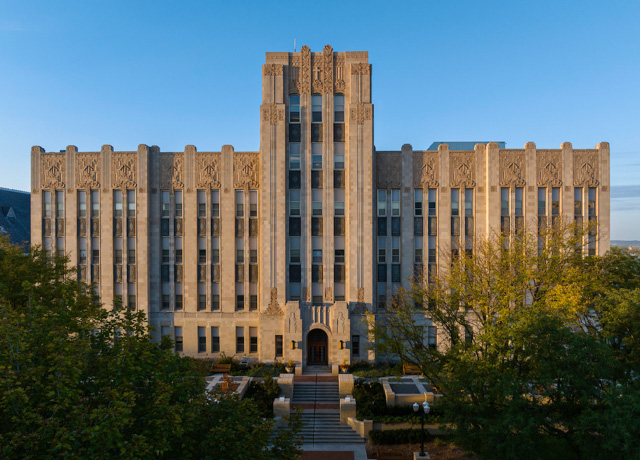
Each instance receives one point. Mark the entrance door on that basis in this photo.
(317, 347)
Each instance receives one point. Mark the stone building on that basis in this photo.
(279, 253)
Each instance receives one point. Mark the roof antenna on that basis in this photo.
(294, 45)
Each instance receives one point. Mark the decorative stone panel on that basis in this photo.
(132, 273)
(179, 272)
(179, 226)
(462, 169)
(294, 75)
(95, 227)
(202, 273)
(59, 227)
(361, 69)
(131, 226)
(202, 227)
(82, 273)
(246, 171)
(426, 170)
(549, 168)
(273, 113)
(272, 69)
(253, 227)
(388, 170)
(208, 170)
(47, 227)
(339, 64)
(88, 169)
(52, 171)
(586, 168)
(215, 227)
(305, 77)
(328, 294)
(118, 274)
(117, 227)
(361, 113)
(172, 171)
(82, 227)
(327, 76)
(124, 170)
(215, 273)
(512, 168)
(274, 307)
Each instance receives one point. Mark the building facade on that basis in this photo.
(279, 254)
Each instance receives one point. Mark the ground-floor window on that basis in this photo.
(239, 339)
(355, 345)
(279, 347)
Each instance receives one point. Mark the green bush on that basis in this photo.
(371, 405)
(406, 436)
(262, 394)
(367, 369)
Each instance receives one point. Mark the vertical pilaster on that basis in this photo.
(480, 200)
(227, 233)
(531, 195)
(604, 197)
(566, 204)
(142, 231)
(190, 232)
(71, 206)
(444, 210)
(406, 212)
(36, 196)
(106, 229)
(492, 223)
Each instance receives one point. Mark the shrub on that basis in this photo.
(406, 436)
(263, 393)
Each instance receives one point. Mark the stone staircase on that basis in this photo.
(320, 400)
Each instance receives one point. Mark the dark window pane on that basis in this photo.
(417, 226)
(316, 226)
(395, 273)
(294, 273)
(382, 273)
(338, 132)
(396, 228)
(382, 226)
(164, 227)
(294, 226)
(316, 273)
(316, 179)
(339, 273)
(294, 132)
(338, 179)
(294, 179)
(338, 226)
(316, 132)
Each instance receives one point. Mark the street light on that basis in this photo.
(425, 411)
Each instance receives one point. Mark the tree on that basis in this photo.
(538, 362)
(82, 381)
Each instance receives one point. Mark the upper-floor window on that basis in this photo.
(519, 201)
(338, 108)
(239, 203)
(455, 202)
(82, 204)
(294, 108)
(542, 201)
(432, 201)
(294, 156)
(59, 203)
(164, 197)
(131, 203)
(95, 203)
(316, 155)
(253, 203)
(202, 204)
(338, 155)
(46, 204)
(504, 201)
(178, 197)
(117, 199)
(395, 202)
(592, 202)
(338, 197)
(215, 203)
(294, 202)
(555, 201)
(577, 201)
(382, 203)
(316, 108)
(417, 202)
(468, 202)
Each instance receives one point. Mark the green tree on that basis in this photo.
(82, 381)
(546, 332)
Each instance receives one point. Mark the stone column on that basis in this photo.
(36, 196)
(566, 196)
(142, 231)
(227, 232)
(106, 229)
(531, 197)
(604, 199)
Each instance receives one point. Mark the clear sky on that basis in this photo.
(173, 73)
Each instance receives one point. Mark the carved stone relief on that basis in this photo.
(426, 170)
(327, 57)
(207, 170)
(361, 69)
(462, 169)
(172, 171)
(245, 171)
(549, 168)
(361, 113)
(586, 168)
(88, 170)
(340, 85)
(512, 169)
(305, 78)
(274, 307)
(294, 75)
(52, 170)
(388, 170)
(340, 323)
(273, 69)
(272, 113)
(123, 170)
(293, 322)
(328, 294)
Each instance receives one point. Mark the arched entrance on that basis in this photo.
(317, 347)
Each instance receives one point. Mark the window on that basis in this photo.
(117, 203)
(82, 251)
(433, 337)
(417, 202)
(339, 256)
(577, 201)
(316, 155)
(202, 251)
(215, 339)
(432, 201)
(294, 291)
(131, 203)
(166, 292)
(555, 201)
(294, 250)
(178, 197)
(253, 340)
(382, 203)
(239, 296)
(338, 108)
(317, 256)
(355, 345)
(202, 339)
(239, 251)
(382, 249)
(294, 202)
(164, 197)
(455, 202)
(60, 203)
(215, 204)
(279, 346)
(202, 204)
(178, 338)
(338, 197)
(239, 339)
(316, 108)
(592, 202)
(395, 202)
(95, 204)
(178, 251)
(417, 250)
(542, 201)
(215, 297)
(118, 251)
(95, 251)
(519, 200)
(46, 204)
(316, 202)
(382, 295)
(253, 203)
(131, 251)
(82, 204)
(202, 296)
(395, 250)
(468, 202)
(253, 297)
(338, 155)
(294, 156)
(239, 203)
(178, 298)
(294, 108)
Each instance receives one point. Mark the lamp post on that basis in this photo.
(424, 412)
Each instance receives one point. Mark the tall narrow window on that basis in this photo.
(59, 204)
(239, 203)
(316, 156)
(294, 202)
(316, 108)
(117, 203)
(253, 340)
(294, 108)
(82, 204)
(294, 250)
(239, 297)
(338, 156)
(215, 339)
(279, 346)
(202, 204)
(131, 251)
(395, 250)
(131, 203)
(202, 339)
(338, 196)
(355, 345)
(46, 204)
(542, 201)
(577, 202)
(253, 203)
(202, 296)
(316, 202)
(338, 108)
(505, 208)
(95, 204)
(417, 245)
(432, 201)
(417, 202)
(395, 202)
(382, 249)
(215, 204)
(178, 338)
(455, 202)
(239, 339)
(555, 201)
(178, 197)
(519, 210)
(382, 203)
(118, 251)
(82, 251)
(166, 204)
(294, 156)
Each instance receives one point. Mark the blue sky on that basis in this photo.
(172, 73)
